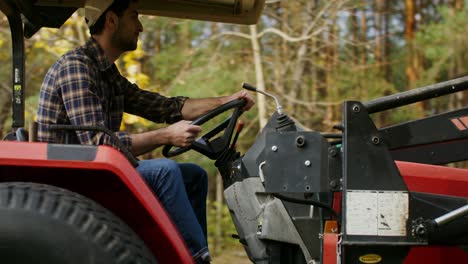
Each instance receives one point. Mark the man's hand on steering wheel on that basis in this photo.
(183, 133)
(212, 148)
(246, 96)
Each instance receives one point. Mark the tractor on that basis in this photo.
(361, 195)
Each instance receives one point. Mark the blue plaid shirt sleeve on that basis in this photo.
(83, 105)
(153, 106)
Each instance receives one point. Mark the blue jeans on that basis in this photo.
(182, 190)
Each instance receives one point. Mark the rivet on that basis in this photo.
(356, 108)
(375, 140)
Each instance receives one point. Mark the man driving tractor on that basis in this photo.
(85, 88)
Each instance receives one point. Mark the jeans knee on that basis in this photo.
(168, 165)
(172, 172)
(160, 172)
(203, 177)
(194, 174)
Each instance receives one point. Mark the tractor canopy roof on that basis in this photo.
(53, 13)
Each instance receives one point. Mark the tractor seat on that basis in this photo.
(21, 134)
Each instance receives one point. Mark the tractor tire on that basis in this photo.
(46, 224)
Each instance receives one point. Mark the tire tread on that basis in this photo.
(87, 217)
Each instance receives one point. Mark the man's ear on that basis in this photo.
(112, 20)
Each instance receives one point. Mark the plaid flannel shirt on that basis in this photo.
(84, 88)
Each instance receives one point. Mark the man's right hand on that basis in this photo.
(183, 133)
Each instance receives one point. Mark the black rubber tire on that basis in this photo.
(45, 224)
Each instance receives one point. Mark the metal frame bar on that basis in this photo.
(416, 95)
(17, 37)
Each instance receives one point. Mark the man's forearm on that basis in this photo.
(193, 108)
(145, 142)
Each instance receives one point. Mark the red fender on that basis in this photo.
(110, 180)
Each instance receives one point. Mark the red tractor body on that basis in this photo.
(104, 175)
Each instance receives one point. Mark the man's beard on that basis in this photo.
(124, 44)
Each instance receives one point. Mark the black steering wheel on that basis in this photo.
(212, 148)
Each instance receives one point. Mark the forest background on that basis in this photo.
(312, 54)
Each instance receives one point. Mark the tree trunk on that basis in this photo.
(380, 58)
(314, 71)
(297, 74)
(261, 101)
(363, 55)
(387, 43)
(185, 36)
(457, 69)
(354, 36)
(363, 38)
(378, 37)
(331, 58)
(410, 27)
(217, 245)
(413, 61)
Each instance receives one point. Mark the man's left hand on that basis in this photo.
(244, 95)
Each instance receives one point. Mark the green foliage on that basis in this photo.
(5, 54)
(402, 114)
(223, 224)
(169, 61)
(352, 84)
(444, 45)
(436, 39)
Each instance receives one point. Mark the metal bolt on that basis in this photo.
(274, 148)
(300, 141)
(420, 230)
(333, 184)
(333, 152)
(356, 108)
(375, 140)
(307, 163)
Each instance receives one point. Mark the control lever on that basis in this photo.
(283, 122)
(252, 88)
(240, 126)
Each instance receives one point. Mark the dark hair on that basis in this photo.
(118, 7)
